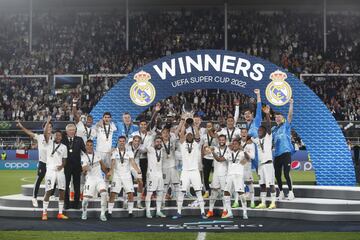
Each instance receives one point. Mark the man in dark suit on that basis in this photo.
(73, 165)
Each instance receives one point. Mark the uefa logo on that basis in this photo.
(278, 92)
(142, 92)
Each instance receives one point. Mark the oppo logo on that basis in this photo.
(17, 165)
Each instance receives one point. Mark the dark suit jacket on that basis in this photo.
(74, 157)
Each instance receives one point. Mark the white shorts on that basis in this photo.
(236, 182)
(171, 176)
(119, 183)
(267, 174)
(53, 177)
(154, 183)
(248, 177)
(93, 186)
(106, 158)
(218, 182)
(190, 177)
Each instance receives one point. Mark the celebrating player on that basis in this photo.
(266, 168)
(126, 127)
(219, 177)
(283, 149)
(94, 183)
(171, 175)
(120, 170)
(43, 140)
(135, 147)
(236, 158)
(155, 181)
(190, 150)
(56, 157)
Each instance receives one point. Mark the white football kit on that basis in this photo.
(104, 136)
(55, 155)
(154, 172)
(266, 168)
(122, 174)
(94, 181)
(230, 134)
(190, 170)
(171, 175)
(235, 175)
(220, 169)
(250, 149)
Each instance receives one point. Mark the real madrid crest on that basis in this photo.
(278, 92)
(142, 92)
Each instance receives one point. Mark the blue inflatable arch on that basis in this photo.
(234, 71)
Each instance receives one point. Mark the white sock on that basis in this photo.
(45, 206)
(252, 192)
(138, 198)
(228, 204)
(175, 190)
(273, 197)
(263, 197)
(180, 201)
(166, 188)
(103, 201)
(201, 201)
(213, 197)
(236, 197)
(61, 206)
(148, 201)
(85, 203)
(110, 207)
(159, 197)
(243, 201)
(130, 206)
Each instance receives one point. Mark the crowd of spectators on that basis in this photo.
(94, 42)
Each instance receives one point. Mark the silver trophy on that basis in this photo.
(188, 113)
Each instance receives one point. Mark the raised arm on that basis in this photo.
(291, 110)
(237, 110)
(154, 116)
(258, 116)
(182, 134)
(25, 130)
(268, 121)
(75, 110)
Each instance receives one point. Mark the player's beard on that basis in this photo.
(158, 147)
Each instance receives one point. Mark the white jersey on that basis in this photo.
(207, 140)
(169, 152)
(93, 161)
(221, 168)
(230, 134)
(55, 154)
(42, 146)
(137, 152)
(155, 160)
(146, 140)
(191, 130)
(234, 159)
(249, 148)
(122, 163)
(104, 137)
(264, 147)
(85, 132)
(190, 153)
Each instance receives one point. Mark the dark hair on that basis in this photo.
(126, 113)
(58, 130)
(157, 137)
(90, 116)
(278, 113)
(107, 113)
(236, 140)
(248, 109)
(263, 127)
(229, 117)
(244, 129)
(89, 140)
(222, 135)
(136, 136)
(120, 137)
(143, 120)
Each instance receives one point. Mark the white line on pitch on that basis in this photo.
(201, 236)
(25, 179)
